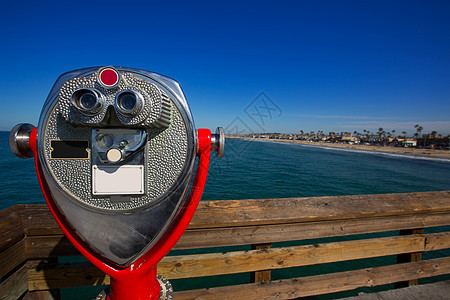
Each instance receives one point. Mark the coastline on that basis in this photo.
(388, 149)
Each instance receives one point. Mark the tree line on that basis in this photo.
(384, 137)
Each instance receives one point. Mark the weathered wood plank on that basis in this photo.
(186, 266)
(277, 258)
(37, 219)
(58, 245)
(264, 275)
(433, 202)
(437, 241)
(219, 237)
(225, 223)
(49, 246)
(42, 295)
(11, 229)
(300, 287)
(409, 257)
(15, 285)
(52, 294)
(323, 284)
(437, 290)
(295, 210)
(58, 276)
(12, 257)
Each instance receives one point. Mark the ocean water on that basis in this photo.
(254, 169)
(260, 169)
(18, 180)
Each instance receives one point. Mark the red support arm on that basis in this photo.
(138, 280)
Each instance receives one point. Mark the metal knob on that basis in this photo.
(218, 142)
(19, 140)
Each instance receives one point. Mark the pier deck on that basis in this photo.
(435, 291)
(397, 233)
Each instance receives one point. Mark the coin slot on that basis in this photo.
(69, 149)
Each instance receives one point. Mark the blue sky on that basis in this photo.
(256, 66)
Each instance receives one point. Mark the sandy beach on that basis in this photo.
(410, 151)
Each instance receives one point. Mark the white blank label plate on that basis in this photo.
(118, 180)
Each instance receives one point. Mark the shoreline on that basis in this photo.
(388, 149)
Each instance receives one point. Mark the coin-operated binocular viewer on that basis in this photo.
(115, 152)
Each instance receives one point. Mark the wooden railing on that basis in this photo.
(31, 243)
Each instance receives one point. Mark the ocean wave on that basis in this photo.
(369, 152)
(382, 153)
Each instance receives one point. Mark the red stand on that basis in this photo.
(138, 280)
(134, 286)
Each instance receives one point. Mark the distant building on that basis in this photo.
(350, 139)
(408, 142)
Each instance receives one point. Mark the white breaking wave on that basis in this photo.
(397, 155)
(369, 152)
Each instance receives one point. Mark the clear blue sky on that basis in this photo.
(325, 65)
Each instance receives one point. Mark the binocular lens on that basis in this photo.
(127, 101)
(88, 100)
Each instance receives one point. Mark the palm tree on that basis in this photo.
(404, 134)
(322, 135)
(419, 131)
(358, 136)
(433, 135)
(380, 132)
(404, 137)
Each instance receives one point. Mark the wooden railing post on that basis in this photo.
(409, 257)
(264, 275)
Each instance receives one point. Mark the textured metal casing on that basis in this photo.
(119, 228)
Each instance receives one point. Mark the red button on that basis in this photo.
(109, 77)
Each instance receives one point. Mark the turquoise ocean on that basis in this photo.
(254, 169)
